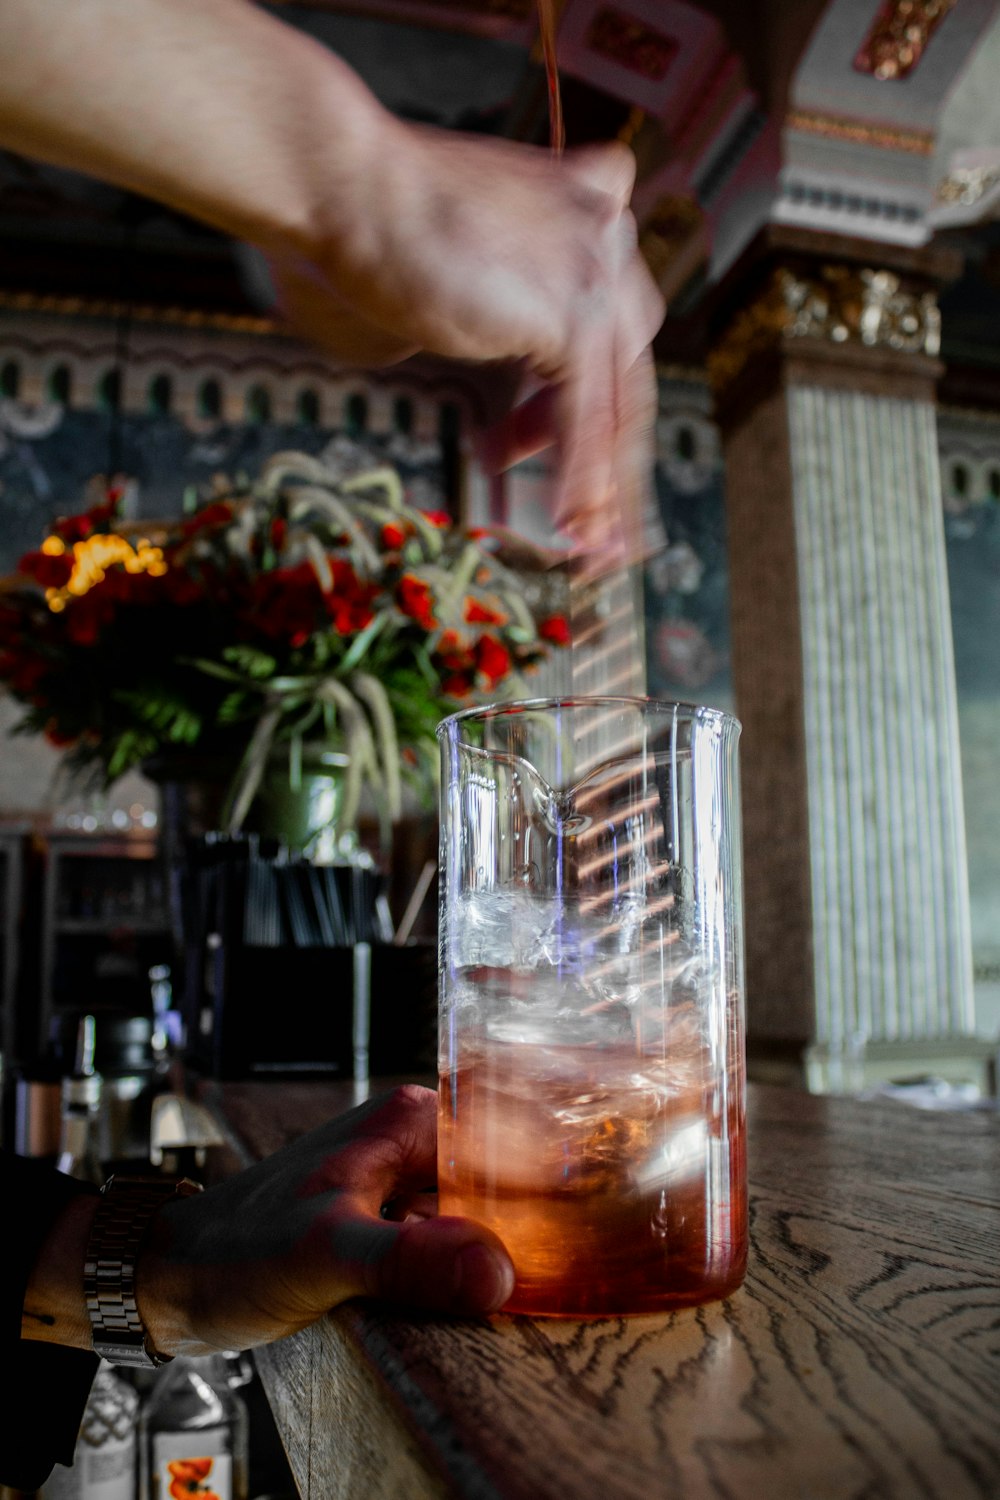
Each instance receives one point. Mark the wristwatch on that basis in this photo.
(125, 1209)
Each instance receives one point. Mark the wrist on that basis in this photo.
(54, 1309)
(166, 1288)
(124, 1329)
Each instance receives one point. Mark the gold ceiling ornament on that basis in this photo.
(839, 305)
(105, 307)
(898, 37)
(967, 185)
(631, 43)
(860, 133)
(518, 10)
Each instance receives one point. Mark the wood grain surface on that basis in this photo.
(860, 1361)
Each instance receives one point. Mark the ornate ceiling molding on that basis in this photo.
(516, 10)
(898, 37)
(860, 133)
(838, 305)
(99, 307)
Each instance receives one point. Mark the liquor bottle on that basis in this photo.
(104, 1460)
(193, 1433)
(81, 1104)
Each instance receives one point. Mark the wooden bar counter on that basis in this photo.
(860, 1361)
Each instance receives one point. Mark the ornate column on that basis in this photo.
(859, 956)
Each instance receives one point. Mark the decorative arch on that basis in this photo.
(308, 407)
(108, 391)
(257, 405)
(209, 399)
(10, 379)
(59, 384)
(160, 395)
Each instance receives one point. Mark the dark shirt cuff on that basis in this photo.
(50, 1384)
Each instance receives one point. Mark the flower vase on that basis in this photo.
(301, 805)
(296, 804)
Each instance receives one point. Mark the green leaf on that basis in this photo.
(361, 643)
(234, 706)
(254, 663)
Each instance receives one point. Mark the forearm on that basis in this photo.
(210, 106)
(54, 1309)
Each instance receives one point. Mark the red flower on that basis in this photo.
(454, 653)
(218, 514)
(87, 616)
(279, 530)
(23, 674)
(286, 604)
(50, 572)
(393, 535)
(481, 614)
(73, 528)
(492, 659)
(178, 587)
(457, 685)
(58, 737)
(349, 604)
(102, 516)
(556, 630)
(437, 517)
(415, 599)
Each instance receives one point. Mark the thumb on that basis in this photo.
(442, 1264)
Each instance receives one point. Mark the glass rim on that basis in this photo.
(699, 712)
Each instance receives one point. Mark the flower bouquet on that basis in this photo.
(302, 610)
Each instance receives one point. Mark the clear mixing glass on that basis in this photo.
(592, 1071)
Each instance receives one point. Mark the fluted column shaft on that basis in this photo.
(856, 877)
(892, 950)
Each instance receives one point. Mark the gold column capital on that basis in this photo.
(833, 303)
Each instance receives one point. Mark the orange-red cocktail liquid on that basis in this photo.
(611, 1198)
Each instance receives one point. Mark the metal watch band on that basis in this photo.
(125, 1209)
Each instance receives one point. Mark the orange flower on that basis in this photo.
(481, 614)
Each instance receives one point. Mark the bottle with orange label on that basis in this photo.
(193, 1433)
